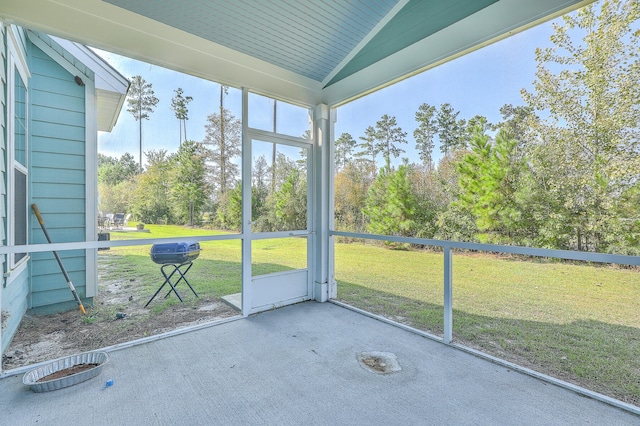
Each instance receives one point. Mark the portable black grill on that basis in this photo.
(175, 253)
(177, 258)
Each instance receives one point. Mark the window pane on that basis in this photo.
(261, 112)
(279, 187)
(20, 144)
(290, 119)
(278, 255)
(20, 212)
(293, 120)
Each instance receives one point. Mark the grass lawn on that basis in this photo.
(576, 322)
(217, 271)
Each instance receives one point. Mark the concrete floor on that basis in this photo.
(299, 365)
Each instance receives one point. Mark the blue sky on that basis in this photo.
(477, 83)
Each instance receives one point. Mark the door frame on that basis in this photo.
(250, 294)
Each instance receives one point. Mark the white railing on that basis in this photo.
(615, 259)
(447, 338)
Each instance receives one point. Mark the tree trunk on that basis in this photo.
(140, 139)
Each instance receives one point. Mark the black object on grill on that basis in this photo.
(174, 253)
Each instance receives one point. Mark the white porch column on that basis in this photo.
(322, 209)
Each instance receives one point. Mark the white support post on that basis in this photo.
(333, 288)
(448, 300)
(246, 206)
(321, 206)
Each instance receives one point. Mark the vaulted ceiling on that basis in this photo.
(305, 52)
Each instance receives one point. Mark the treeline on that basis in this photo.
(561, 171)
(200, 186)
(200, 183)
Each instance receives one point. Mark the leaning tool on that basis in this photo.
(55, 253)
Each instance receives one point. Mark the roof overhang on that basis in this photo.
(139, 30)
(111, 86)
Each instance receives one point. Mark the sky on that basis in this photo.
(475, 84)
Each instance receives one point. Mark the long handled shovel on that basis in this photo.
(55, 253)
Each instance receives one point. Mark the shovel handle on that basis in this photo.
(37, 212)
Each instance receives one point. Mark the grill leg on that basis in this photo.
(182, 278)
(167, 280)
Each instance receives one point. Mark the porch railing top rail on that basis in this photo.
(618, 259)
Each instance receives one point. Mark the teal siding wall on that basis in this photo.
(57, 176)
(14, 305)
(14, 294)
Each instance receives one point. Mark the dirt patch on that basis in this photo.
(41, 338)
(379, 362)
(117, 316)
(67, 372)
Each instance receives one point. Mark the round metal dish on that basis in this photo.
(31, 377)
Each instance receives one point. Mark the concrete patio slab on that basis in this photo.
(300, 365)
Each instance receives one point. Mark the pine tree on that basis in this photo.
(179, 106)
(141, 102)
(389, 136)
(368, 146)
(424, 133)
(390, 205)
(189, 188)
(343, 149)
(223, 138)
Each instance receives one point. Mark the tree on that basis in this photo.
(112, 171)
(343, 150)
(388, 136)
(260, 175)
(150, 201)
(116, 198)
(141, 102)
(426, 189)
(179, 106)
(477, 121)
(368, 146)
(424, 133)
(453, 222)
(229, 212)
(291, 202)
(517, 120)
(260, 178)
(189, 189)
(390, 205)
(281, 170)
(587, 145)
(488, 186)
(223, 138)
(450, 129)
(351, 185)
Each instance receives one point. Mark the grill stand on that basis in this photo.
(177, 268)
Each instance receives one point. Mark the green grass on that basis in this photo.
(216, 273)
(577, 322)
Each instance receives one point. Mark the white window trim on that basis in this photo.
(16, 61)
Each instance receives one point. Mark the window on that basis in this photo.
(17, 132)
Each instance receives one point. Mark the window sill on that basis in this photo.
(17, 270)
